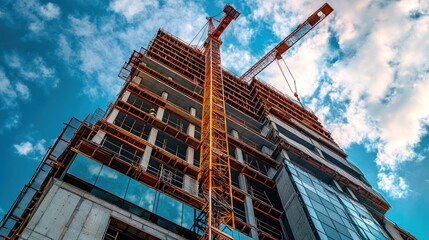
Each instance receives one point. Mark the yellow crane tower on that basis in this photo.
(215, 174)
(214, 162)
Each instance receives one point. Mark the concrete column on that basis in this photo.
(189, 184)
(125, 96)
(271, 171)
(152, 136)
(112, 116)
(137, 79)
(99, 137)
(248, 203)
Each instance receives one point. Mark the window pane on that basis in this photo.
(141, 195)
(332, 233)
(112, 181)
(169, 209)
(85, 169)
(188, 216)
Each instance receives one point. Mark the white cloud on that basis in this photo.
(236, 58)
(36, 14)
(393, 184)
(12, 121)
(37, 71)
(31, 148)
(24, 148)
(242, 29)
(49, 11)
(377, 89)
(23, 90)
(9, 93)
(64, 49)
(100, 54)
(81, 26)
(130, 8)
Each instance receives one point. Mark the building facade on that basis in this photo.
(132, 172)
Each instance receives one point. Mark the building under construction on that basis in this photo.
(191, 151)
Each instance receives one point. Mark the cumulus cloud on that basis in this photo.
(10, 93)
(64, 49)
(82, 26)
(370, 84)
(37, 71)
(236, 58)
(393, 184)
(31, 148)
(101, 45)
(49, 11)
(36, 14)
(130, 8)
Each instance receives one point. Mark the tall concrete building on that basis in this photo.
(133, 171)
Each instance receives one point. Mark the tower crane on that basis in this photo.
(288, 42)
(215, 175)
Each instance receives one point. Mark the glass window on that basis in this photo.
(323, 236)
(347, 223)
(340, 211)
(354, 235)
(341, 228)
(85, 169)
(112, 181)
(318, 225)
(328, 205)
(312, 212)
(306, 200)
(332, 233)
(319, 207)
(344, 237)
(170, 209)
(334, 216)
(325, 219)
(188, 216)
(301, 189)
(305, 179)
(313, 196)
(141, 195)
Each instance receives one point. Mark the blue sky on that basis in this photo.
(363, 71)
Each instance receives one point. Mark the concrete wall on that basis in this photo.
(67, 212)
(294, 211)
(392, 230)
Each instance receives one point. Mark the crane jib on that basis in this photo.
(288, 42)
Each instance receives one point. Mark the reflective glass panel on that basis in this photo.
(188, 216)
(85, 169)
(340, 216)
(170, 209)
(141, 195)
(112, 181)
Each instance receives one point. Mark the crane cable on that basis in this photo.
(202, 34)
(201, 30)
(295, 93)
(281, 70)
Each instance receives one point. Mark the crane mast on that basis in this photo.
(288, 42)
(215, 176)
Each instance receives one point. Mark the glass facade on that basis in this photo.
(334, 215)
(128, 189)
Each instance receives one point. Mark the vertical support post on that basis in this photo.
(189, 184)
(152, 136)
(248, 202)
